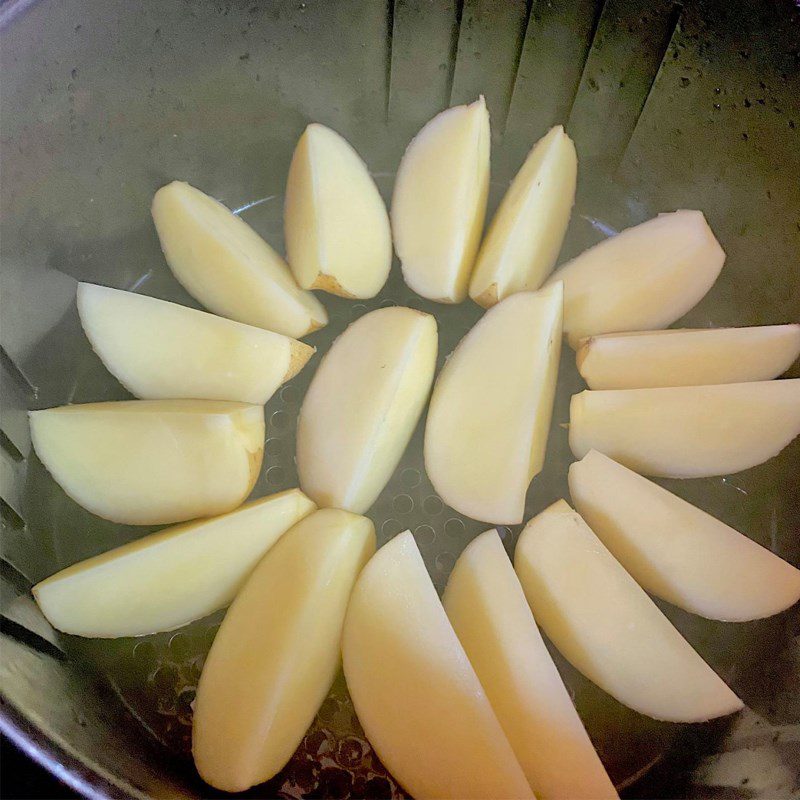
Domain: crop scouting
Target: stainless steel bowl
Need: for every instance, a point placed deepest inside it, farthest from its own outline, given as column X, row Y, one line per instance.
column 671, row 105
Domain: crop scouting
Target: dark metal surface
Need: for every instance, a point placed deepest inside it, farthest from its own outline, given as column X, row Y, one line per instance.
column 671, row 105
column 22, row 779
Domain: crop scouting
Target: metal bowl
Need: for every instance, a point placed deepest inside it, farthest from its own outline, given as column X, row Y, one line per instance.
column 694, row 105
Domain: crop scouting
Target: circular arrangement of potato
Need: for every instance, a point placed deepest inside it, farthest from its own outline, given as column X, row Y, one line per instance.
column 299, row 568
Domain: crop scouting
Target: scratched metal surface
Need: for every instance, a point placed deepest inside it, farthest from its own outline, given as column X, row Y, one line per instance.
column 103, row 101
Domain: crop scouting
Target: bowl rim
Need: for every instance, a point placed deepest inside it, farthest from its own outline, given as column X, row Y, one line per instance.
column 61, row 761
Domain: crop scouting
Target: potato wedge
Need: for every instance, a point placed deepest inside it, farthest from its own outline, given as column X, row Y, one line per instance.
column 650, row 359
column 687, row 431
column 412, row 685
column 525, row 236
column 277, row 651
column 487, row 608
column 676, row 551
column 439, row 202
column 171, row 577
column 363, row 405
column 608, row 628
column 222, row 262
column 151, row 462
column 643, row 278
column 338, row 237
column 489, row 417
column 160, row 350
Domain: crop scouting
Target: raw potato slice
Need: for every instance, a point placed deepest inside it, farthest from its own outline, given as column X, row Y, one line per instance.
column 414, row 690
column 277, row 651
column 608, row 628
column 363, row 405
column 650, row 359
column 527, row 231
column 439, row 202
column 222, row 262
column 160, row 350
column 337, row 230
column 491, row 617
column 676, row 551
column 151, row 462
column 169, row 578
column 490, row 411
column 643, row 278
column 687, row 431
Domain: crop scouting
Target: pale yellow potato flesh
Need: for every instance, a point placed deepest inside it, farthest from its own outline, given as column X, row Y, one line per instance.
column 169, row 578
column 222, row 262
column 160, row 350
column 526, row 234
column 277, row 651
column 487, row 608
column 150, row 462
column 644, row 278
column 649, row 359
column 676, row 551
column 687, row 431
column 417, row 697
column 363, row 405
column 439, row 202
column 602, row 621
column 337, row 230
column 489, row 416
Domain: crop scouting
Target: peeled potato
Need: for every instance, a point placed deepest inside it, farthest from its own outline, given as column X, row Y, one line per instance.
column 687, row 431
column 149, row 462
column 608, row 628
column 489, row 417
column 643, row 278
column 363, row 405
column 676, row 551
column 222, row 262
column 277, row 651
column 489, row 613
column 439, row 202
column 160, row 350
column 525, row 236
column 337, row 230
column 415, row 693
column 649, row 359
column 169, row 578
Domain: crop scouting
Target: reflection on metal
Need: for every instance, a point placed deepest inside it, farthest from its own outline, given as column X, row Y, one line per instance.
column 757, row 759
column 254, row 203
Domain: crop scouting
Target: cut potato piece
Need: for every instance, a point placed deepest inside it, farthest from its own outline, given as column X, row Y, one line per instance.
column 169, row 578
column 439, row 202
column 363, row 405
column 222, row 262
column 277, row 652
column 414, row 690
column 608, row 628
column 491, row 617
column 643, row 278
column 160, row 350
column 150, row 462
column 525, row 237
column 676, row 551
column 490, row 411
column 649, row 359
column 337, row 230
column 687, row 431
